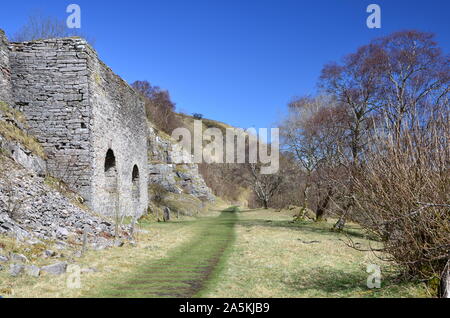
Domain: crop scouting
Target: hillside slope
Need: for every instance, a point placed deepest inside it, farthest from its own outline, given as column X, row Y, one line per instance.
column 224, row 179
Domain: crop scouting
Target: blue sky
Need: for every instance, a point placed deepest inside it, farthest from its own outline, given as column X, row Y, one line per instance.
column 239, row 62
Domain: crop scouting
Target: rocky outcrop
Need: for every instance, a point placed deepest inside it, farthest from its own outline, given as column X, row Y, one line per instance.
column 173, row 177
column 23, row 156
column 31, row 208
column 12, row 130
column 191, row 182
column 164, row 175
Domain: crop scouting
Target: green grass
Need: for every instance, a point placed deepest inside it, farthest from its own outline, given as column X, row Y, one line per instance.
column 14, row 133
column 113, row 264
column 257, row 253
column 228, row 253
column 11, row 113
column 186, row 271
column 274, row 257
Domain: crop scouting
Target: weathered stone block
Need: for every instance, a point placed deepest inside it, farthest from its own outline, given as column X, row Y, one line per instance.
column 55, row 269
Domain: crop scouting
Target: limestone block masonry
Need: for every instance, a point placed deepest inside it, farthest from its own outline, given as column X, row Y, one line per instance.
column 5, row 72
column 91, row 123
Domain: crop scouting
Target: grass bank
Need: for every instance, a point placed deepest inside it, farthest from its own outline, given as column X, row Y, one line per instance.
column 154, row 243
column 186, row 271
column 273, row 257
column 233, row 254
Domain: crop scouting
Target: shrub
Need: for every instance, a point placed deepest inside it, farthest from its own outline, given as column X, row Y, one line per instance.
column 157, row 193
column 159, row 107
column 402, row 197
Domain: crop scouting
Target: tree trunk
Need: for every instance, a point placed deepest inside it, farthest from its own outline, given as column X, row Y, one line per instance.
column 305, row 195
column 444, row 290
column 320, row 213
column 166, row 216
column 339, row 226
column 321, row 208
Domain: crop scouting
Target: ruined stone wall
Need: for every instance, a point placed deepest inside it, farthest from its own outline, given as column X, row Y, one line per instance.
column 5, row 71
column 119, row 139
column 50, row 83
column 90, row 122
column 93, row 126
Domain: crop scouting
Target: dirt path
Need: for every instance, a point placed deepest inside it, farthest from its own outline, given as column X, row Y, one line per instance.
column 187, row 270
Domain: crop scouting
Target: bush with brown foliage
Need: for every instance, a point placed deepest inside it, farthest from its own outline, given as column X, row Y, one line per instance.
column 41, row 27
column 390, row 147
column 224, row 181
column 159, row 107
column 402, row 196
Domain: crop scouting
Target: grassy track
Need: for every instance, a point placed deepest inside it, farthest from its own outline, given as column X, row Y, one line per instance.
column 187, row 270
column 274, row 257
column 253, row 253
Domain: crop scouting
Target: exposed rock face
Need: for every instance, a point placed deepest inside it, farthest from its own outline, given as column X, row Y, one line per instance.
column 31, row 208
column 164, row 175
column 55, row 269
column 16, row 269
column 175, row 178
column 191, row 181
column 23, row 156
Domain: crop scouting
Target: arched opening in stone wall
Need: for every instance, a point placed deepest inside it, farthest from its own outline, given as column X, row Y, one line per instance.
column 112, row 195
column 135, row 187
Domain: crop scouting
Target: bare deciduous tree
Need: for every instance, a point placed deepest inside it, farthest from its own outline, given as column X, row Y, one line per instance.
column 393, row 150
column 41, row 27
column 402, row 196
column 312, row 132
column 264, row 185
column 413, row 72
column 159, row 107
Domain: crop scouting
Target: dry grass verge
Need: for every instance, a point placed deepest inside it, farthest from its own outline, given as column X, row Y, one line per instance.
column 13, row 133
column 273, row 257
column 110, row 263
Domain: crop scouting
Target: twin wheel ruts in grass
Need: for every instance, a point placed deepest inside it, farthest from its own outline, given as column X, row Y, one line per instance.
column 187, row 270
